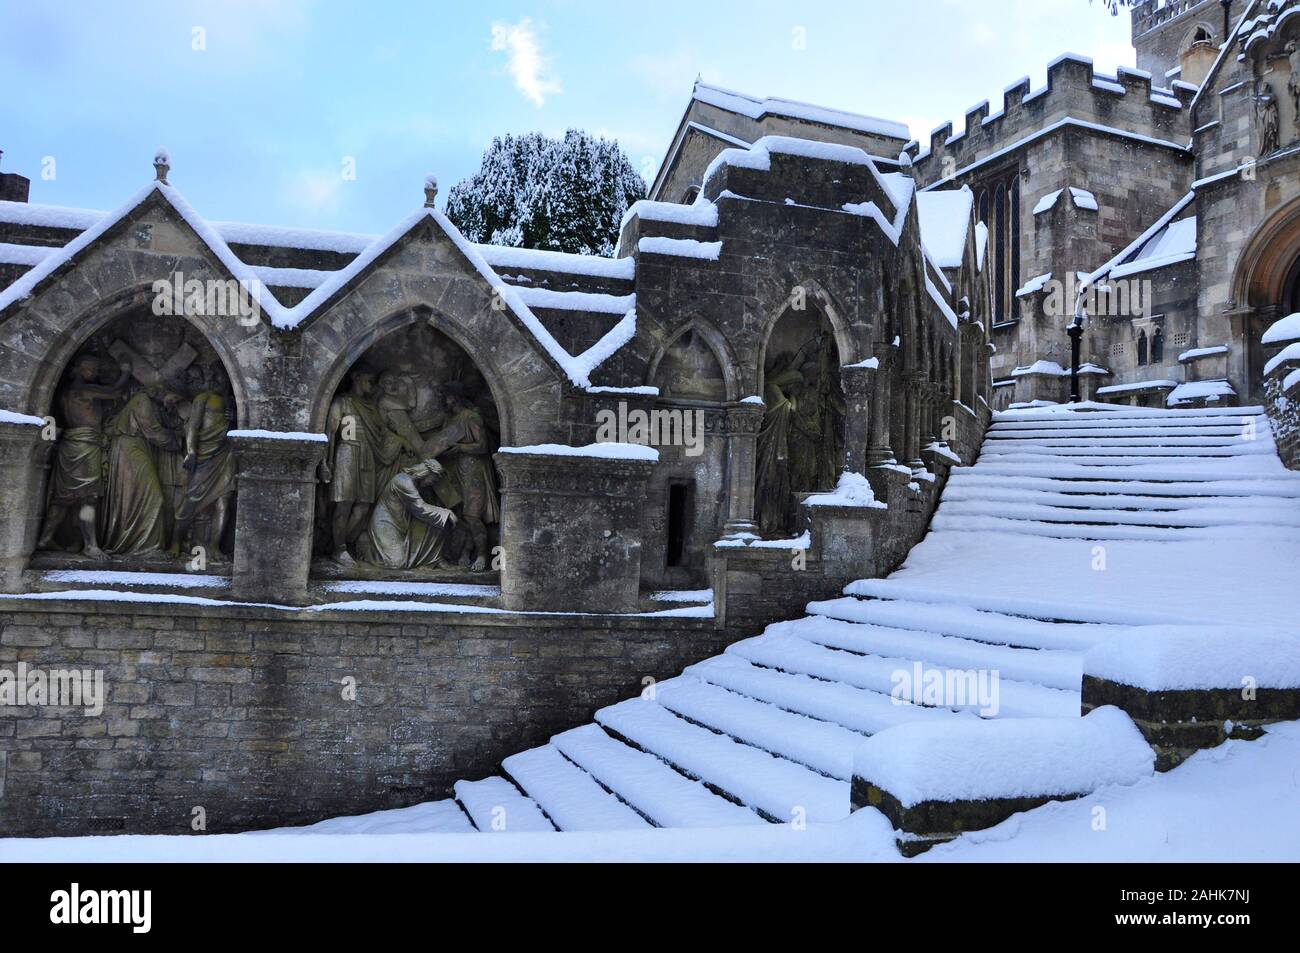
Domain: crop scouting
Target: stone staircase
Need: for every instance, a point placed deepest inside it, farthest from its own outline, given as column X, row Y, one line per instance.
column 765, row 733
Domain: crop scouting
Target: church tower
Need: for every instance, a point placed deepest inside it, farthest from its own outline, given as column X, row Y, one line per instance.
column 1180, row 39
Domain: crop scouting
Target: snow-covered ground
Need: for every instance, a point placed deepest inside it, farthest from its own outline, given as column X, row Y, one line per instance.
column 1238, row 802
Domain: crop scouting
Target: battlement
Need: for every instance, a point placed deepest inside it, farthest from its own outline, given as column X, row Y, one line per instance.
column 1126, row 104
column 1150, row 14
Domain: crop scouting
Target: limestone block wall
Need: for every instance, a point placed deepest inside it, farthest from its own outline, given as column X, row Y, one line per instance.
column 247, row 713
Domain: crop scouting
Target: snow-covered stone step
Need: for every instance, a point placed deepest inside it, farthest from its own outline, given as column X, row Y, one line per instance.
column 568, row 794
column 1091, row 450
column 1016, row 606
column 1185, row 517
column 781, row 789
column 1240, row 468
column 1101, row 532
column 497, row 806
column 1135, row 444
column 979, row 625
column 839, row 629
column 968, row 480
column 664, row 796
column 856, row 709
column 1180, row 433
column 789, row 653
column 820, row 745
column 1110, row 427
column 963, row 492
column 1128, row 413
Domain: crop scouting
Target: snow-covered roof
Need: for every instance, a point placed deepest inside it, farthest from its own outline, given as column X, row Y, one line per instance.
column 1283, row 330
column 1167, row 242
column 1199, row 390
column 1082, row 199
column 324, row 285
column 1136, row 386
column 945, row 218
column 1197, row 353
column 756, row 108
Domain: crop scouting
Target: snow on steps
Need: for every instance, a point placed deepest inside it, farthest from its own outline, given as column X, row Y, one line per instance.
column 573, row 799
column 495, row 806
column 767, row 731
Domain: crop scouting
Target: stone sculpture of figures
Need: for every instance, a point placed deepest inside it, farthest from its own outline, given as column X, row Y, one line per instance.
column 800, row 444
column 359, row 446
column 1293, row 81
column 134, row 499
column 1269, row 121
column 773, row 503
column 209, row 467
column 78, row 476
column 463, row 443
column 406, row 531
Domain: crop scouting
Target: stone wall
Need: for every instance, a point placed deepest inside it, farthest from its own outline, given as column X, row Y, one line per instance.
column 241, row 710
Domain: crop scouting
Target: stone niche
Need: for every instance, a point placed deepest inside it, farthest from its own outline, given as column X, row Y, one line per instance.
column 142, row 469
column 413, row 397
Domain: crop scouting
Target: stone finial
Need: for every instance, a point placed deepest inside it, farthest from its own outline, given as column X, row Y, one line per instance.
column 162, row 164
column 905, row 162
column 430, row 190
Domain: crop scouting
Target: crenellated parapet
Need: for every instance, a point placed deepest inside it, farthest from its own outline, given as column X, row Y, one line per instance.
column 1127, row 105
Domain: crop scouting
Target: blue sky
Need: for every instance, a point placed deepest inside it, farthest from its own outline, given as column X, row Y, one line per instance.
column 262, row 104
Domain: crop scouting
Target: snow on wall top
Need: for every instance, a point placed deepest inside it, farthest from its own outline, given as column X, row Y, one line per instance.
column 1005, row 758
column 755, row 108
column 1169, row 658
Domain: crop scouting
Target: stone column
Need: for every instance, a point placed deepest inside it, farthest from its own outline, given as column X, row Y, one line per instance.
column 858, row 382
column 23, row 451
column 880, row 452
column 744, row 421
column 276, row 512
column 912, row 421
column 571, row 531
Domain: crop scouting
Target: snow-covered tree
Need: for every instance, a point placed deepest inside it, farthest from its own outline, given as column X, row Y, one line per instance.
column 532, row 191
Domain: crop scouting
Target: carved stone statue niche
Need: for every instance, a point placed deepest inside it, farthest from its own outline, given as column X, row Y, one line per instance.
column 415, row 418
column 143, row 462
column 801, row 444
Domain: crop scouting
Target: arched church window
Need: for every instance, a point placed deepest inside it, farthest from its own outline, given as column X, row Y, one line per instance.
column 1157, row 346
column 1013, row 240
column 1142, row 348
column 1201, row 35
column 1000, row 250
column 691, row 194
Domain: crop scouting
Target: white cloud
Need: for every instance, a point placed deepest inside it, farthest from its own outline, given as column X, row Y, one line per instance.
column 529, row 67
column 317, row 190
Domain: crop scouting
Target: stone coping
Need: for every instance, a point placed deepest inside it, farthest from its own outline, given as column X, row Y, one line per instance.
column 469, row 615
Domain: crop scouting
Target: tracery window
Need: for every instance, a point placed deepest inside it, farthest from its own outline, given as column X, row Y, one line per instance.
column 998, row 202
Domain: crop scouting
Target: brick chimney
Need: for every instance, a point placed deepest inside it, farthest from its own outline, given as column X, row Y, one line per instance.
column 13, row 187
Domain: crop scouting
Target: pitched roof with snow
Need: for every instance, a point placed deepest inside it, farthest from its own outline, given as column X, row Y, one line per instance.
column 756, row 108
column 945, row 223
column 323, row 285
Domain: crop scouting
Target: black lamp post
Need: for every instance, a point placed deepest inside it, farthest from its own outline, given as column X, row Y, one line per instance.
column 1075, row 330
